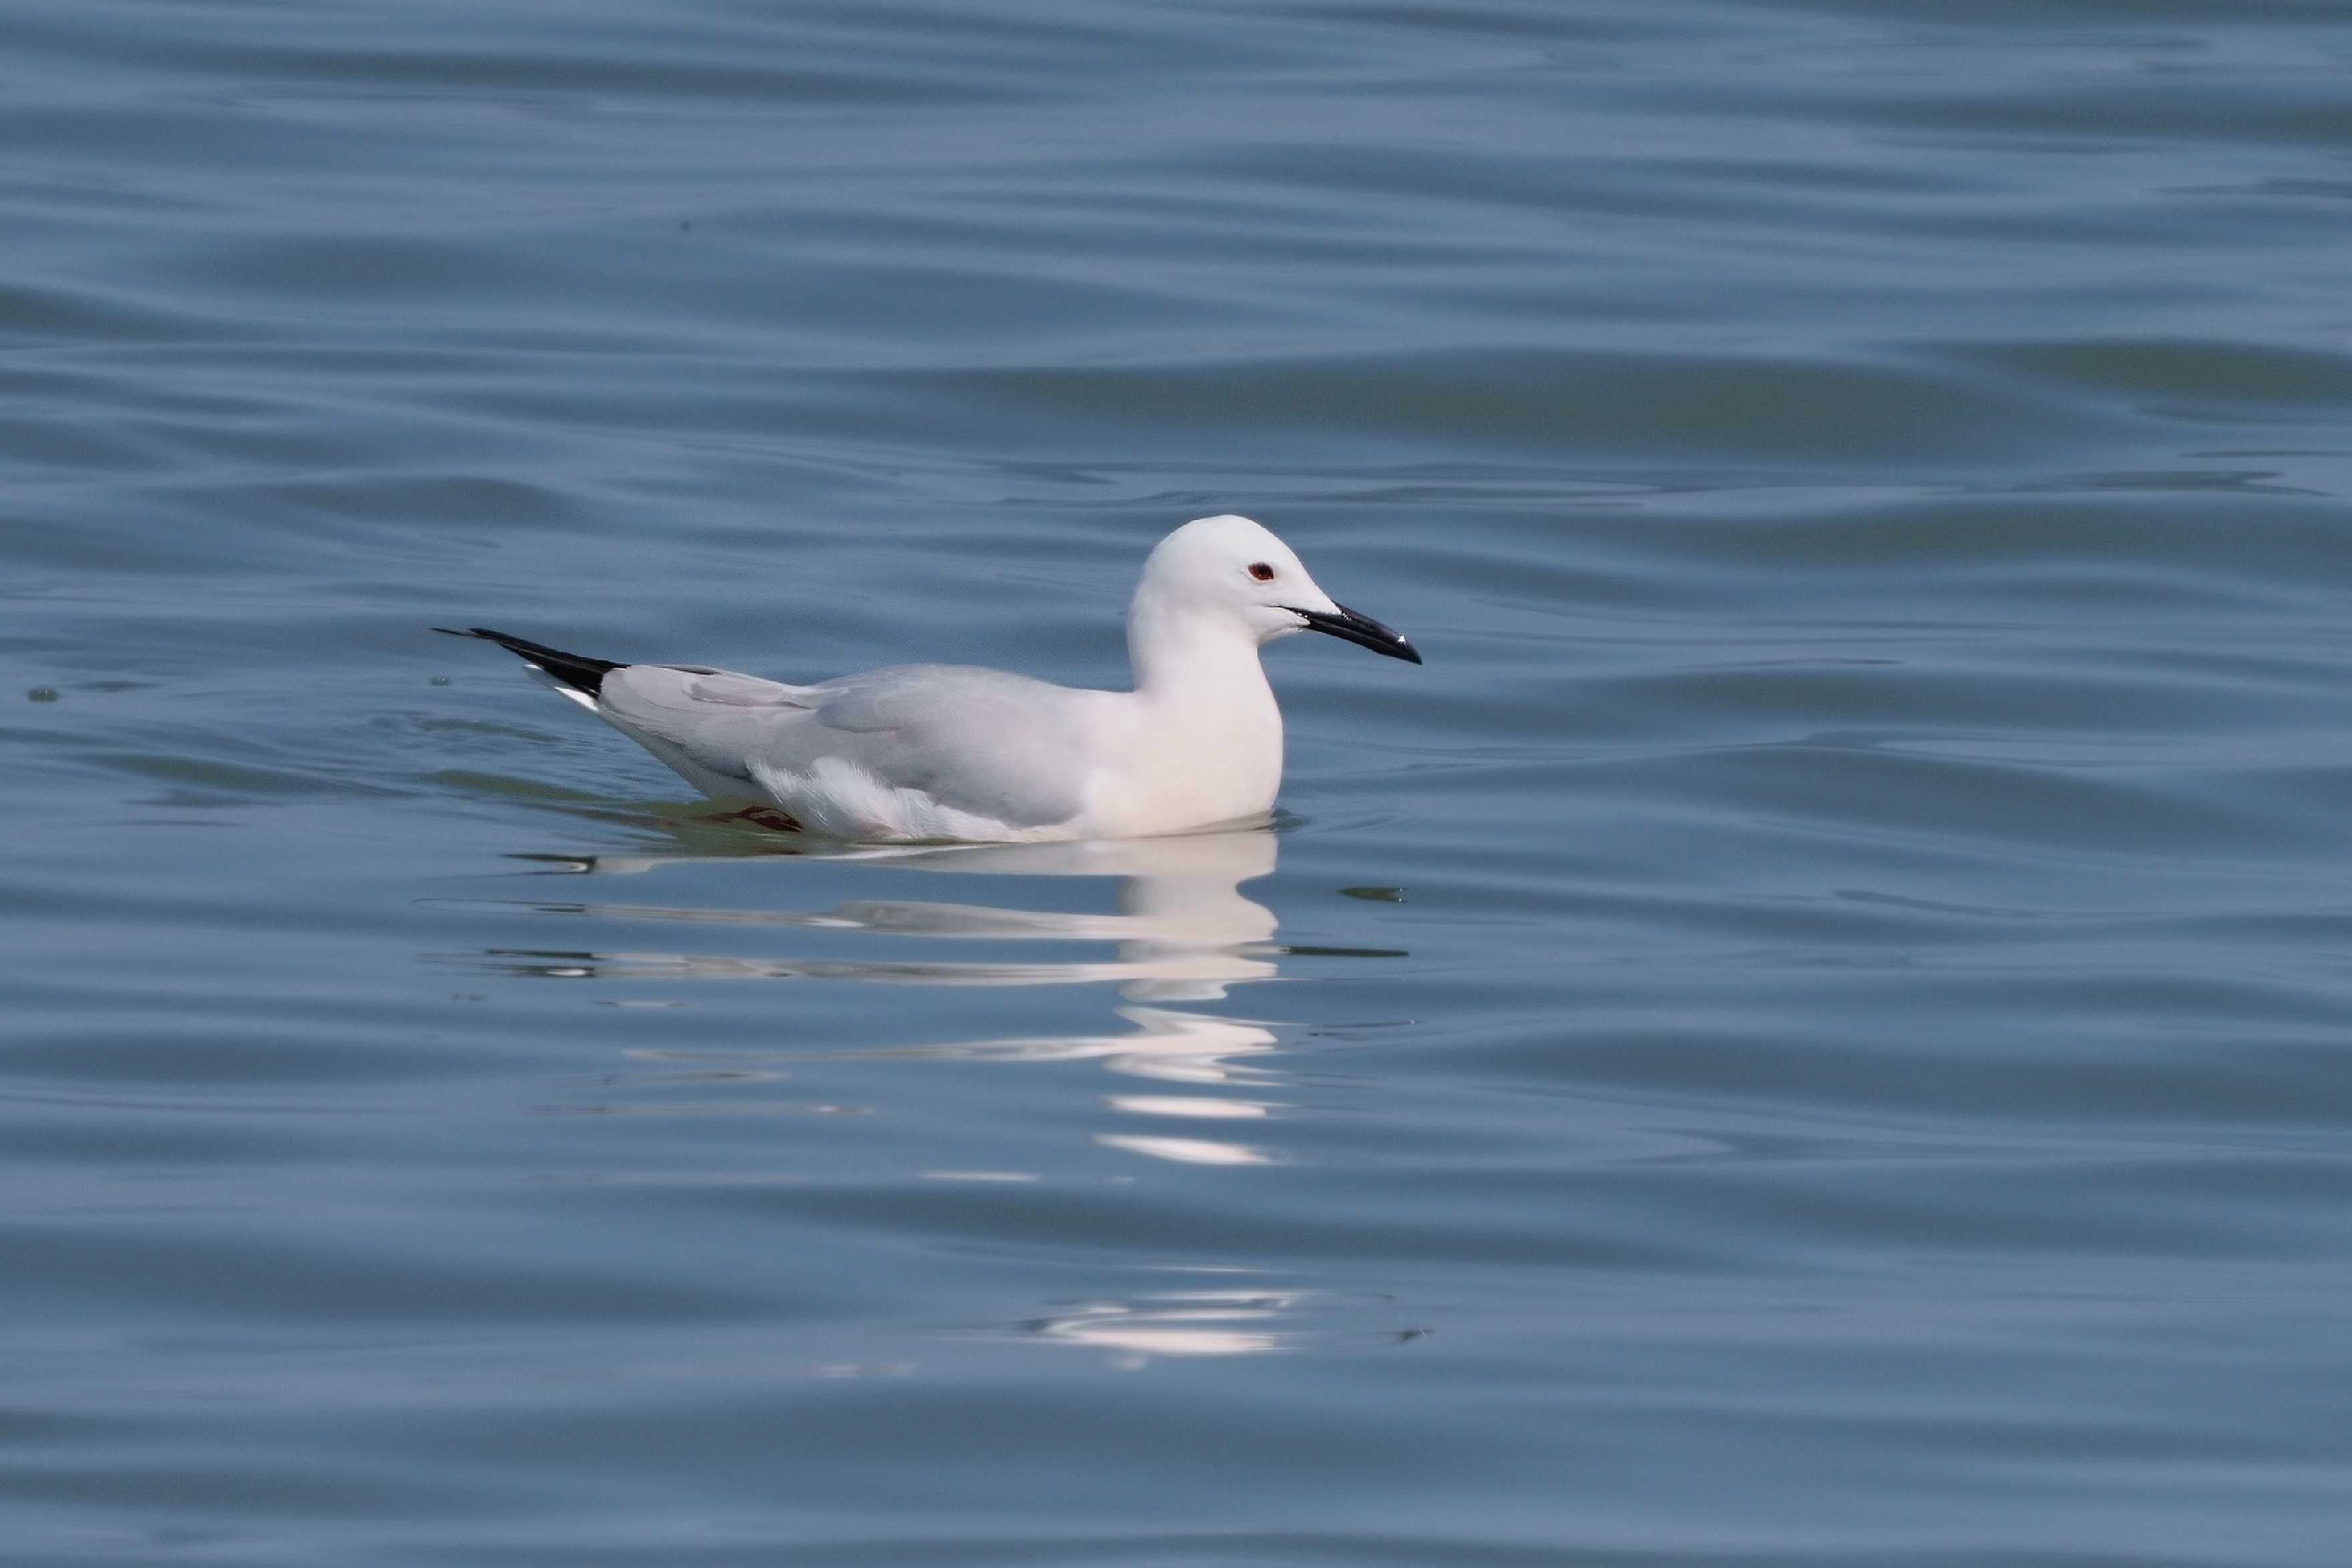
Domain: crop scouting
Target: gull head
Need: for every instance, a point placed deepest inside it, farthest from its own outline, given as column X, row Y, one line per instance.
column 1229, row 572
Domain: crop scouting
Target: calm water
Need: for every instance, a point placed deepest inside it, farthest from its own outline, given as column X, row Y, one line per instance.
column 1813, row 1032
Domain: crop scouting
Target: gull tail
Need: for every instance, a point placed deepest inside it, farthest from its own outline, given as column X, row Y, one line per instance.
column 578, row 671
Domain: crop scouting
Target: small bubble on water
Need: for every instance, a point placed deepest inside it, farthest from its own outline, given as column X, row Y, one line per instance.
column 440, row 680
column 42, row 694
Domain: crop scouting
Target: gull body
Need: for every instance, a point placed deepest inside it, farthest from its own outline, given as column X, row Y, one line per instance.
column 947, row 751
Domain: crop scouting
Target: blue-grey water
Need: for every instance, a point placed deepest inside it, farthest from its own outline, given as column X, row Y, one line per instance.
column 1817, row 1030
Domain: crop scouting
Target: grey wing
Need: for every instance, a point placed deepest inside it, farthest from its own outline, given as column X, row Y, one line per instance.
column 713, row 720
column 979, row 740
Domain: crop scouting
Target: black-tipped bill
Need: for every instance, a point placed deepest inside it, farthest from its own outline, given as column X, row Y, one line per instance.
column 1362, row 630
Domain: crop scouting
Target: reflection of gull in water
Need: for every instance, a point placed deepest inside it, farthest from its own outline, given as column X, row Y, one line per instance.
column 1167, row 1044
column 1185, row 932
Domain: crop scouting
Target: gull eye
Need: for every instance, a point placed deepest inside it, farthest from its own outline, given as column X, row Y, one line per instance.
column 1261, row 571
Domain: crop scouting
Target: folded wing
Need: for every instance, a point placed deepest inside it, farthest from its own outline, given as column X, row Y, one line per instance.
column 980, row 743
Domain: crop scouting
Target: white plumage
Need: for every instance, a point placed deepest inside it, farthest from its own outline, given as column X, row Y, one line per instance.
column 945, row 751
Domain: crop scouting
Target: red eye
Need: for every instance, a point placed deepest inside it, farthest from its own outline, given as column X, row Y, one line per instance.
column 1261, row 571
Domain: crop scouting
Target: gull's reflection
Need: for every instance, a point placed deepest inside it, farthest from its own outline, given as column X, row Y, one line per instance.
column 1191, row 1087
column 1185, row 932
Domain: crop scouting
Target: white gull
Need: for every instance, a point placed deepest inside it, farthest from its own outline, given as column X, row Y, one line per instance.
column 930, row 751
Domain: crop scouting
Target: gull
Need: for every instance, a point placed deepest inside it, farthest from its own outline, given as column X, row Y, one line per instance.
column 931, row 753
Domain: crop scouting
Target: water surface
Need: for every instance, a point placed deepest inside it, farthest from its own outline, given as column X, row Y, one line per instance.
column 1814, row 1031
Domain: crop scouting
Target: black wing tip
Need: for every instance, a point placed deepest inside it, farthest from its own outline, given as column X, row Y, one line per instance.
column 577, row 670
